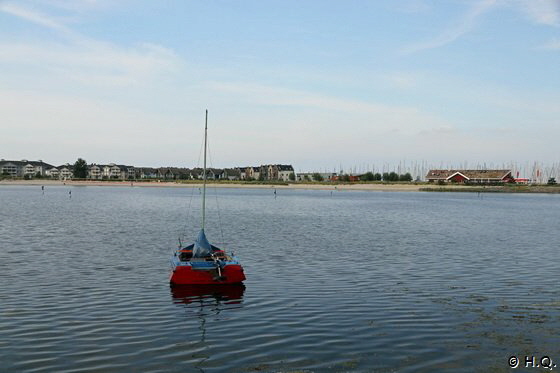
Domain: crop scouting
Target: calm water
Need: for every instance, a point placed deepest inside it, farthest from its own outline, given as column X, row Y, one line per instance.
column 348, row 281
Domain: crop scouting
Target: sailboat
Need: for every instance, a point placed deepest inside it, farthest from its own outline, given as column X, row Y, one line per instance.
column 202, row 263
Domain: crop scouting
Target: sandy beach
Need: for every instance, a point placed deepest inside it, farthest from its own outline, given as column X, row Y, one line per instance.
column 167, row 184
column 380, row 187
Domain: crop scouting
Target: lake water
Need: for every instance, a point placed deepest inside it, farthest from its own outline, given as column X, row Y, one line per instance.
column 336, row 282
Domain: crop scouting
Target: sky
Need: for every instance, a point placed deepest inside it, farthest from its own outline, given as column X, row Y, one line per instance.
column 321, row 85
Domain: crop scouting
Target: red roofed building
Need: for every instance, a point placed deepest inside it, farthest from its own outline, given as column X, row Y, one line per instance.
column 470, row 176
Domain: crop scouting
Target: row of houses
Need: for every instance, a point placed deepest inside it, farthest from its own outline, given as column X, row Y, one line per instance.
column 280, row 172
column 30, row 169
column 24, row 168
column 177, row 173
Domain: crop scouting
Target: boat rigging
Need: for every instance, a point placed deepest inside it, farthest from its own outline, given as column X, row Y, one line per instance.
column 202, row 263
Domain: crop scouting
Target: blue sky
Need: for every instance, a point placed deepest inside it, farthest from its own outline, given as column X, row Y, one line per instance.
column 317, row 84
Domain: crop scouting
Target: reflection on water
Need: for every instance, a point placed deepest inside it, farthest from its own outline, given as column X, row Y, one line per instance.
column 205, row 302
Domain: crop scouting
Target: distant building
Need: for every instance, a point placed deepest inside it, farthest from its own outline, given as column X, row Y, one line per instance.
column 113, row 171
column 242, row 172
column 470, row 176
column 231, row 174
column 24, row 168
column 305, row 176
column 336, row 177
column 167, row 173
column 308, row 176
column 52, row 173
column 283, row 172
column 95, row 172
column 65, row 171
column 253, row 173
column 110, row 171
column 146, row 173
column 271, row 172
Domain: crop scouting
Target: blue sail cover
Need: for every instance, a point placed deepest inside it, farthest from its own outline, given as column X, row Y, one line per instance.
column 201, row 247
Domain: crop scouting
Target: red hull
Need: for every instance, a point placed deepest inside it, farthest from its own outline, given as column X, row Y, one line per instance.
column 185, row 275
column 232, row 293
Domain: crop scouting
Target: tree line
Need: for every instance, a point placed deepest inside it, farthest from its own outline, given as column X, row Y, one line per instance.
column 370, row 176
column 386, row 176
column 80, row 171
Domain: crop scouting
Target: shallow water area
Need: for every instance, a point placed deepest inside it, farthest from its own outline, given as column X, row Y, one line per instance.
column 336, row 281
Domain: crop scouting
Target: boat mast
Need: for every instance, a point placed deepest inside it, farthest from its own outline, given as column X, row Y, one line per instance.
column 204, row 171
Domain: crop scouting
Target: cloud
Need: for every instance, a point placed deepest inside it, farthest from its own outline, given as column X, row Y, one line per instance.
column 403, row 80
column 551, row 45
column 545, row 12
column 370, row 116
column 35, row 17
column 68, row 126
column 462, row 27
column 92, row 63
column 79, row 58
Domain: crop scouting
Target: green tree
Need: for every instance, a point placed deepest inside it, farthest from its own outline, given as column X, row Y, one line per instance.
column 368, row 176
column 317, row 177
column 406, row 177
column 345, row 177
column 80, row 169
column 552, row 181
column 377, row 177
column 391, row 176
column 292, row 176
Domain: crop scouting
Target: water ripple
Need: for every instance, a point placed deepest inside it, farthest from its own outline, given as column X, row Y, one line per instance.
column 350, row 282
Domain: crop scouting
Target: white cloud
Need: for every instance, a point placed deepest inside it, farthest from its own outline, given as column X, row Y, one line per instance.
column 541, row 11
column 451, row 34
column 35, row 17
column 61, row 128
column 91, row 61
column 38, row 96
column 545, row 12
column 375, row 117
column 106, row 102
column 79, row 58
column 551, row 45
column 403, row 80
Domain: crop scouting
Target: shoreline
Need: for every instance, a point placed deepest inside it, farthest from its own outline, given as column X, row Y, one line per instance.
column 381, row 187
column 172, row 184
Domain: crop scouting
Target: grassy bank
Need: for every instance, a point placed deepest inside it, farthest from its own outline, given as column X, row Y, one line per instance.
column 553, row 189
